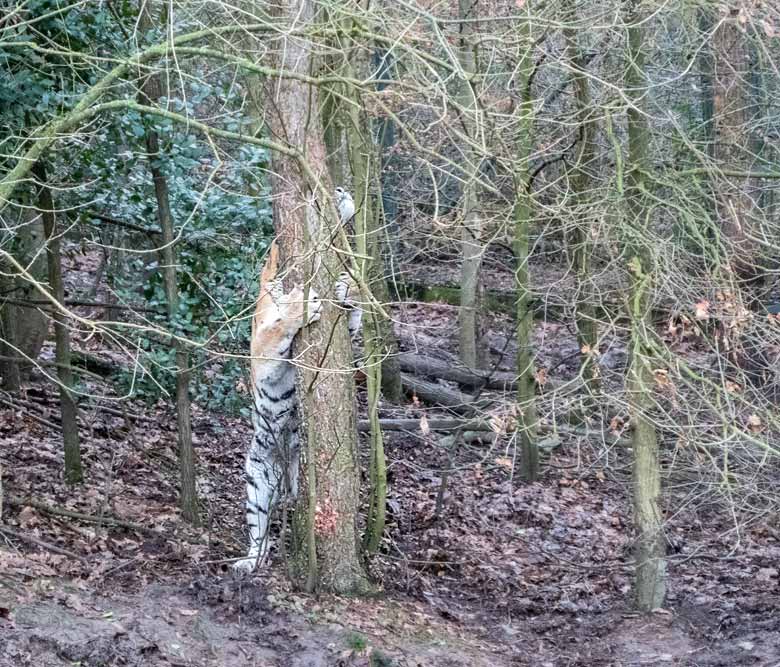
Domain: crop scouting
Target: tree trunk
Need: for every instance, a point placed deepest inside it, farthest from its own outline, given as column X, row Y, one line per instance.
column 385, row 240
column 526, row 392
column 334, row 134
column 469, row 334
column 325, row 547
column 9, row 366
column 26, row 328
column 733, row 111
column 350, row 147
column 579, row 242
column 70, row 428
column 650, row 544
column 386, row 138
column 378, row 338
column 188, row 499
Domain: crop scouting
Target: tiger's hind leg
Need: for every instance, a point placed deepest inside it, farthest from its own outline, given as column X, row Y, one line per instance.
column 264, row 483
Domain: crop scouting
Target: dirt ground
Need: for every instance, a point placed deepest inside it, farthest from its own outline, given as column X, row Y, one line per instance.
column 477, row 569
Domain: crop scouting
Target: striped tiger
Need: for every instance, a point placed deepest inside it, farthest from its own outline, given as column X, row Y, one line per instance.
column 272, row 459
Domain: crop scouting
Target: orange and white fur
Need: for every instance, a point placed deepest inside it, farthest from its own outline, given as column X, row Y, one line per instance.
column 272, row 460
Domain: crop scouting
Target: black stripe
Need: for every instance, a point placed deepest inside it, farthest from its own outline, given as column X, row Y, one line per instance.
column 254, row 506
column 284, row 396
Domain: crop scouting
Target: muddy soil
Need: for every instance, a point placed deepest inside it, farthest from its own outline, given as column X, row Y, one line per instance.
column 476, row 568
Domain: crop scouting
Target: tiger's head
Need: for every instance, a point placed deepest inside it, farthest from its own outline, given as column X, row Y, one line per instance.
column 279, row 316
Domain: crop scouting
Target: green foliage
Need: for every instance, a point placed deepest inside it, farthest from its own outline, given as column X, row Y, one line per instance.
column 224, row 233
column 356, row 641
column 218, row 200
column 380, row 659
column 36, row 86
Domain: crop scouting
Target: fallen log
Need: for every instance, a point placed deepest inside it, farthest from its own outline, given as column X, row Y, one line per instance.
column 105, row 521
column 468, row 377
column 435, row 394
column 48, row 546
column 93, row 363
column 494, row 300
column 364, row 425
column 473, row 426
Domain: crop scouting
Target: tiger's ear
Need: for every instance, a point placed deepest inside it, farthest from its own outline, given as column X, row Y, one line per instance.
column 271, row 265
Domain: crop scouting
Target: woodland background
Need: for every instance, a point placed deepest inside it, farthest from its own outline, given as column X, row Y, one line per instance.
column 556, row 441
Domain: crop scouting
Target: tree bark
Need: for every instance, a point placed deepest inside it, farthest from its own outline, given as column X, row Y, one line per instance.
column 472, row 353
column 349, row 143
column 9, row 366
column 733, row 111
column 579, row 242
column 26, row 329
column 325, row 547
column 386, row 138
column 68, row 410
column 467, row 377
column 436, row 394
column 526, row 392
column 378, row 341
column 650, row 585
column 188, row 499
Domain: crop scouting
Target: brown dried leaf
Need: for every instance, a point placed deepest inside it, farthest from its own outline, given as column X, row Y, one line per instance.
column 754, row 423
column 504, row 462
column 703, row 310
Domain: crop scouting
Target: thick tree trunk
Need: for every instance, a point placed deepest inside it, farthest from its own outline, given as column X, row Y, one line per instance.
column 70, row 428
column 526, row 392
column 650, row 544
column 325, row 551
column 188, row 499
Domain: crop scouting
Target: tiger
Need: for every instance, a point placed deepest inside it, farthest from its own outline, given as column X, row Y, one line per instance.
column 272, row 460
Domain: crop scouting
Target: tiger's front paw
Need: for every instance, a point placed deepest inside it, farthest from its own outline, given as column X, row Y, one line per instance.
column 315, row 307
column 245, row 566
column 342, row 288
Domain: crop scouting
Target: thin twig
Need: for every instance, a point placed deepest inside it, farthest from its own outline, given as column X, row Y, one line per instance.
column 5, row 530
column 89, row 518
column 29, row 414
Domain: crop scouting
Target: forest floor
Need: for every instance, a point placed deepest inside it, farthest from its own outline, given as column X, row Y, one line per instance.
column 477, row 568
